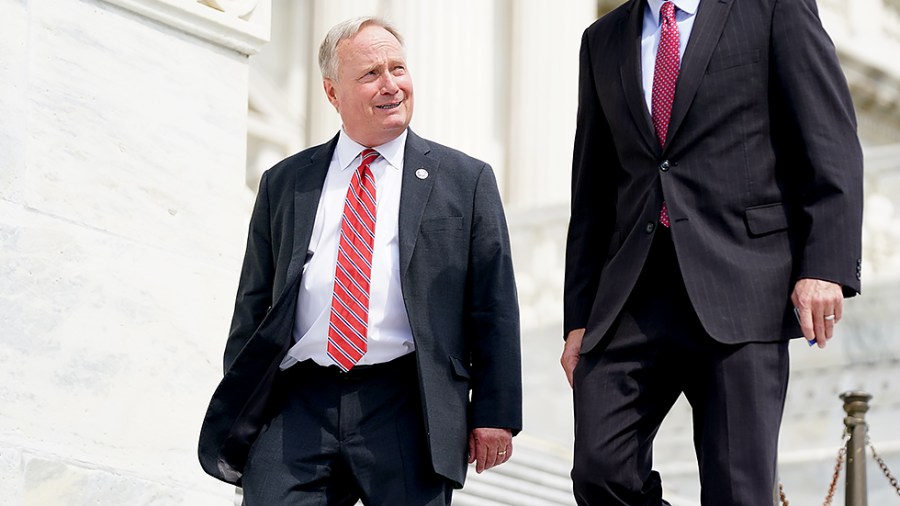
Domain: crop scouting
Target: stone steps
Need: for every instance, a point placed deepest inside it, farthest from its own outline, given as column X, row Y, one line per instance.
column 536, row 475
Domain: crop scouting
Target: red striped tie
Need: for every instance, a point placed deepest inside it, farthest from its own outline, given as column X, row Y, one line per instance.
column 348, row 325
column 665, row 75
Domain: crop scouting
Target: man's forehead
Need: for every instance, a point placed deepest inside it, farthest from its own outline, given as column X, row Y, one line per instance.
column 371, row 48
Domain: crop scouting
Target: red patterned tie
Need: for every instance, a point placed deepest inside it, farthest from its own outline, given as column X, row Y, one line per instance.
column 348, row 325
column 665, row 75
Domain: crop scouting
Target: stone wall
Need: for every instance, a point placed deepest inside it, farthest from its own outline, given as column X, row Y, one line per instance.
column 122, row 219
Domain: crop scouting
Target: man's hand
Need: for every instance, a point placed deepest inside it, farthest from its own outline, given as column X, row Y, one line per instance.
column 571, row 352
column 489, row 447
column 819, row 305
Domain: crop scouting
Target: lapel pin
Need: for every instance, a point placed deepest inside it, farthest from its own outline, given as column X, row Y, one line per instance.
column 421, row 173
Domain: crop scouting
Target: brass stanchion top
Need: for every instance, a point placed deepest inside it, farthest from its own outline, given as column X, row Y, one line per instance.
column 856, row 403
column 852, row 395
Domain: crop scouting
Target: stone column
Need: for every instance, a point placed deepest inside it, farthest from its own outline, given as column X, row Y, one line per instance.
column 280, row 79
column 123, row 213
column 543, row 94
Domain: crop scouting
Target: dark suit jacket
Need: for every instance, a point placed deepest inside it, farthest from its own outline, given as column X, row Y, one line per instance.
column 457, row 282
column 761, row 171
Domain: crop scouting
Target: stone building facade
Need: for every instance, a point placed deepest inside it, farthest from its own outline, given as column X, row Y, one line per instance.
column 134, row 134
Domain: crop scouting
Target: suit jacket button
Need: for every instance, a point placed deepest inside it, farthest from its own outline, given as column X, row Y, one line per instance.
column 650, row 227
column 664, row 166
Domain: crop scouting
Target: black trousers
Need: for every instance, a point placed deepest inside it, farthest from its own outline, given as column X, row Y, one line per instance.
column 655, row 351
column 336, row 438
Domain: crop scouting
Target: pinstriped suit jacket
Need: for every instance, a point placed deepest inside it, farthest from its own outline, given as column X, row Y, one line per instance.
column 761, row 172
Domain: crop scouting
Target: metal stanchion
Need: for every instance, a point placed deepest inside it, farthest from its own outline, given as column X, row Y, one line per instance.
column 853, row 451
column 856, row 404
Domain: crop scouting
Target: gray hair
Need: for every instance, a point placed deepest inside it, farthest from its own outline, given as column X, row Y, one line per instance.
column 328, row 62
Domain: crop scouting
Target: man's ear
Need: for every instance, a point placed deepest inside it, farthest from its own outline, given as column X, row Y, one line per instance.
column 331, row 92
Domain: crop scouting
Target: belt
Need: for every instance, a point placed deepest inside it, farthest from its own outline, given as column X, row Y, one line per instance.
column 399, row 366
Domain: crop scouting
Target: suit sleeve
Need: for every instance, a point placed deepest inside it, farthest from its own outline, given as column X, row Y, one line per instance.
column 808, row 76
column 492, row 314
column 254, row 294
column 594, row 168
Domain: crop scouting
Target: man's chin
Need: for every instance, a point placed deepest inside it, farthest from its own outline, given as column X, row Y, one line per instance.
column 395, row 124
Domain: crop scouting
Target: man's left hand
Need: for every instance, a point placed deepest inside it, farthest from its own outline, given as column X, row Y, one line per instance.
column 489, row 447
column 819, row 304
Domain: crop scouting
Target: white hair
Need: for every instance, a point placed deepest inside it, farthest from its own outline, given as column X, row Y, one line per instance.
column 328, row 61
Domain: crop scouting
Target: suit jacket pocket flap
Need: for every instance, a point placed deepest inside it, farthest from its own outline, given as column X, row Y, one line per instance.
column 766, row 219
column 459, row 368
column 451, row 223
column 728, row 61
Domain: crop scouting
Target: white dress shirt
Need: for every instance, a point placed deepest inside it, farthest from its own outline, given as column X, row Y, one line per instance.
column 389, row 334
column 685, row 13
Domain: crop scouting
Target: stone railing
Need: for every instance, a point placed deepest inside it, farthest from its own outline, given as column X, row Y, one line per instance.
column 538, row 239
column 891, row 19
column 881, row 239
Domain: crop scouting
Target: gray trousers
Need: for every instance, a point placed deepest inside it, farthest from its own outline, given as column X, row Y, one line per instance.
column 336, row 438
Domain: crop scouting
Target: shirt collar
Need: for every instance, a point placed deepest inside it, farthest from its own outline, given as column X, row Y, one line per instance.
column 348, row 150
column 687, row 6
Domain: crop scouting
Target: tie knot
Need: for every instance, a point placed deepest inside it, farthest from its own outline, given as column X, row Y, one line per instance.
column 368, row 156
column 667, row 11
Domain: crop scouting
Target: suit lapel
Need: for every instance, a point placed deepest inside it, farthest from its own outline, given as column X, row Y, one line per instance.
column 414, row 194
column 630, row 73
column 307, row 192
column 705, row 35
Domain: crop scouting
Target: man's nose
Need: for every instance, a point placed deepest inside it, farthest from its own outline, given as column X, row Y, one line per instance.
column 389, row 84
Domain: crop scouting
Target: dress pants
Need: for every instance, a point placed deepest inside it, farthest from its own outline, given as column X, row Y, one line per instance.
column 335, row 438
column 656, row 350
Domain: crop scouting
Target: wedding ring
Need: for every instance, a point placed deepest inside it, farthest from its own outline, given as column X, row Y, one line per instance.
column 829, row 317
column 502, row 453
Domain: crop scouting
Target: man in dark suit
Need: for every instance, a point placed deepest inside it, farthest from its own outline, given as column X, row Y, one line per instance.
column 717, row 186
column 375, row 338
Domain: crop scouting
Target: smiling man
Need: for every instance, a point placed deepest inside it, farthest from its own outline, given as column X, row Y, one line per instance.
column 374, row 347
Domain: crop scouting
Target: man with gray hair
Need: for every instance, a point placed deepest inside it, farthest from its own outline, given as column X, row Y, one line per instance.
column 374, row 347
